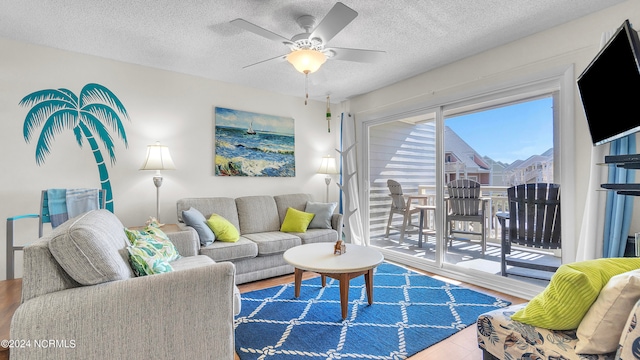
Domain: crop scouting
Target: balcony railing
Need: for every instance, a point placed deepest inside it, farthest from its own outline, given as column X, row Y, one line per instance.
column 498, row 202
column 380, row 203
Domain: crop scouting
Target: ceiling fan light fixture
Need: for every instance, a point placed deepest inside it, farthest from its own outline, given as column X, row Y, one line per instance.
column 306, row 61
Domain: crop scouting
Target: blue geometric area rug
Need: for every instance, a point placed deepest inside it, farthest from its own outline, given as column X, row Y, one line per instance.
column 410, row 312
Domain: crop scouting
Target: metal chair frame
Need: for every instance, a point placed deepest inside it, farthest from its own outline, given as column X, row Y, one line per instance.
column 43, row 218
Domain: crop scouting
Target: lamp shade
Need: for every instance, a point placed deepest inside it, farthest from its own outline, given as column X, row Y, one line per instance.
column 306, row 61
column 158, row 158
column 328, row 166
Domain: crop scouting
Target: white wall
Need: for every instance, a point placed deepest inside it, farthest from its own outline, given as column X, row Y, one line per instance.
column 574, row 43
column 175, row 109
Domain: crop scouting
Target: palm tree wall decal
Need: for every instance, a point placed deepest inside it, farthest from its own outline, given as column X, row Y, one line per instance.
column 90, row 116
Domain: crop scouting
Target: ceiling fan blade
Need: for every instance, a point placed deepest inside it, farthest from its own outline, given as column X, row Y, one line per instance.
column 338, row 17
column 244, row 24
column 279, row 57
column 358, row 55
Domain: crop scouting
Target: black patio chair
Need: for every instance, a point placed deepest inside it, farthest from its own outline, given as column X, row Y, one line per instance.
column 464, row 204
column 533, row 221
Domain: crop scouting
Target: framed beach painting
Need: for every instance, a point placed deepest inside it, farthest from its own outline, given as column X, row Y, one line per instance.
column 252, row 144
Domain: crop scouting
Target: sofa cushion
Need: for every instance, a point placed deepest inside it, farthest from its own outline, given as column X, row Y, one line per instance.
column 275, row 242
column 42, row 274
column 571, row 291
column 225, row 251
column 296, row 221
column 91, row 248
column 602, row 326
column 223, row 229
column 190, row 262
column 318, row 235
column 196, row 220
column 504, row 338
column 323, row 213
column 223, row 206
column 257, row 214
column 296, row 201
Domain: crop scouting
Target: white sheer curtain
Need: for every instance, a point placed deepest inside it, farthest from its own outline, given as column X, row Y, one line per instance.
column 353, row 230
column 592, row 231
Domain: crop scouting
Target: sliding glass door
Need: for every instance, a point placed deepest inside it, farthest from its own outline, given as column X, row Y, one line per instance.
column 499, row 142
column 504, row 144
column 402, row 154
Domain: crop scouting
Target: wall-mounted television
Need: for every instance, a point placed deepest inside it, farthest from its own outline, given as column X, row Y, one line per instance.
column 610, row 88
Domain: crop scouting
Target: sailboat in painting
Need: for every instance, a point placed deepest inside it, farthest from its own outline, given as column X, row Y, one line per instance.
column 250, row 130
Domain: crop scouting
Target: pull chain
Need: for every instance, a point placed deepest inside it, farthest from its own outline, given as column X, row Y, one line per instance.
column 328, row 115
column 306, row 86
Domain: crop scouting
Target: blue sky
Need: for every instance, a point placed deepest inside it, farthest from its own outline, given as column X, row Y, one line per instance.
column 261, row 122
column 508, row 133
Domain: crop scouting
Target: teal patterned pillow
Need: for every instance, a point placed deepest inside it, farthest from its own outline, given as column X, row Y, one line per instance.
column 150, row 251
column 167, row 251
column 146, row 260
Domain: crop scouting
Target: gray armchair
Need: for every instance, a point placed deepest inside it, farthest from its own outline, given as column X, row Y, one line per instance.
column 80, row 295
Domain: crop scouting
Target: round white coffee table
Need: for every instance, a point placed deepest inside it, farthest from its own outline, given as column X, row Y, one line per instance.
column 320, row 258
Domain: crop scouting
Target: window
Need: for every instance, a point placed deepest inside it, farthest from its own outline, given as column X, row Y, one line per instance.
column 405, row 146
column 503, row 145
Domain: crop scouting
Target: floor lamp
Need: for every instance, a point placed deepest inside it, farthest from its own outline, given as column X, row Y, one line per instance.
column 158, row 158
column 328, row 167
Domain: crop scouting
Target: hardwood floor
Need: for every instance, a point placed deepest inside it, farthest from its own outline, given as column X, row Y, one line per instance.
column 10, row 292
column 461, row 346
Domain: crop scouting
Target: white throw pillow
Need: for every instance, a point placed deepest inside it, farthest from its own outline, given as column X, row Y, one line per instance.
column 600, row 330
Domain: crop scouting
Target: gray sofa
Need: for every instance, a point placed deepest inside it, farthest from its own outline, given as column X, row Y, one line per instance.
column 80, row 299
column 258, row 253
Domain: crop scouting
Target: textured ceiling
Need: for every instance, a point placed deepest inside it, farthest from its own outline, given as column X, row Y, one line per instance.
column 195, row 36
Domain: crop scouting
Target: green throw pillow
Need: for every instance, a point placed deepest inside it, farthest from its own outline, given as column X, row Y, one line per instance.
column 296, row 221
column 571, row 291
column 160, row 240
column 223, row 229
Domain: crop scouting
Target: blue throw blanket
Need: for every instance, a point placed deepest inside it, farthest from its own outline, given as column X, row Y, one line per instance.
column 68, row 203
column 57, row 202
column 79, row 201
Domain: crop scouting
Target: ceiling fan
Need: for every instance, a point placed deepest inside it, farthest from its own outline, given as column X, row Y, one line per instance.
column 308, row 50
